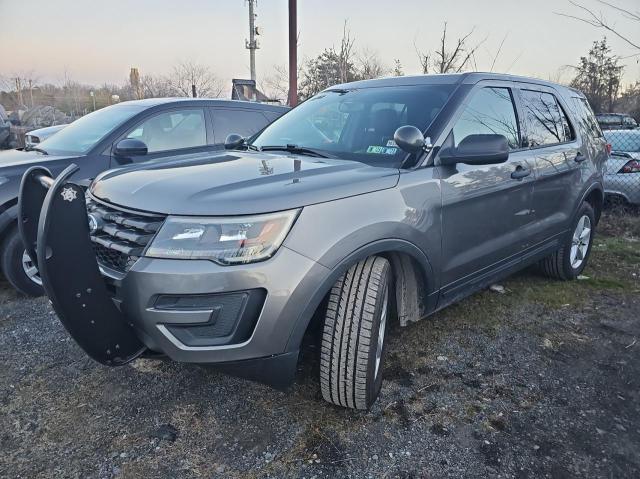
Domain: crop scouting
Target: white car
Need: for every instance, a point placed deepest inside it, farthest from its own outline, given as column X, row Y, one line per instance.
column 622, row 176
column 34, row 137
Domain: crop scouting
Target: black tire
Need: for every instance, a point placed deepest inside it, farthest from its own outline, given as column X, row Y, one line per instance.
column 11, row 261
column 558, row 265
column 348, row 375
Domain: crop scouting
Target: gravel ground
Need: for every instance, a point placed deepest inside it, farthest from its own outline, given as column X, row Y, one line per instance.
column 539, row 381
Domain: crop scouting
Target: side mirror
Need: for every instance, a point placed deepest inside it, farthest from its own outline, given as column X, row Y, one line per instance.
column 409, row 138
column 130, row 147
column 233, row 141
column 477, row 150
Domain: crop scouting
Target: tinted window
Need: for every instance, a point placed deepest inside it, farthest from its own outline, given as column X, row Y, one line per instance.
column 81, row 135
column 172, row 130
column 490, row 111
column 273, row 115
column 546, row 123
column 587, row 118
column 358, row 124
column 242, row 122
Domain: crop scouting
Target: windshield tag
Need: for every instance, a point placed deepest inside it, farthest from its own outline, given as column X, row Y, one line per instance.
column 382, row 150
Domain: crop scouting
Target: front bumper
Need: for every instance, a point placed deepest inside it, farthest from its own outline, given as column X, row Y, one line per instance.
column 288, row 280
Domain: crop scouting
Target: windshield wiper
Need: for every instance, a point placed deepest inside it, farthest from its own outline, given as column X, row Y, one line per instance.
column 299, row 150
column 39, row 150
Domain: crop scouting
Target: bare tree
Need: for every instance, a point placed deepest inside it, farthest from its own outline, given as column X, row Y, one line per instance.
column 447, row 59
column 156, row 86
column 369, row 65
column 346, row 55
column 276, row 85
column 189, row 73
column 599, row 20
column 330, row 67
column 397, row 69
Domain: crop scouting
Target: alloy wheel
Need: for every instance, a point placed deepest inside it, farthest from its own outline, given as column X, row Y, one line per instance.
column 30, row 269
column 580, row 242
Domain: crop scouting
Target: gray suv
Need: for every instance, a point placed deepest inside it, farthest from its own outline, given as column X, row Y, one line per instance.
column 374, row 201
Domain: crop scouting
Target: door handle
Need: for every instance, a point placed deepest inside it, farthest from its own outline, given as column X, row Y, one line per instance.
column 520, row 173
column 579, row 158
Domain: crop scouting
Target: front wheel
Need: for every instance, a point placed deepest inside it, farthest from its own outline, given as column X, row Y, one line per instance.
column 571, row 259
column 18, row 267
column 355, row 323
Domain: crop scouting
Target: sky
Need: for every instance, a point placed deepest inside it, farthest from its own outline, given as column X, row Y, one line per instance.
column 97, row 42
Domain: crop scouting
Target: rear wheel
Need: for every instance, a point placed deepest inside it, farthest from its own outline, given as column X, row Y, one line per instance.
column 18, row 267
column 355, row 323
column 571, row 259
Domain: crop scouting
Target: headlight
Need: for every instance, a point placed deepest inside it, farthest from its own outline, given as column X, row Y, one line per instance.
column 236, row 240
column 3, row 180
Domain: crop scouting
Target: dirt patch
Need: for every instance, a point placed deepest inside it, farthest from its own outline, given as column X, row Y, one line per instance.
column 541, row 381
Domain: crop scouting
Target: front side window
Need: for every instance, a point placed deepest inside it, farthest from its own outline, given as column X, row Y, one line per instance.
column 172, row 130
column 546, row 122
column 241, row 122
column 84, row 133
column 358, row 124
column 490, row 111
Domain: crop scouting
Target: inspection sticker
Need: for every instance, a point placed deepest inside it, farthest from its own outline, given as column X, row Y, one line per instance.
column 382, row 150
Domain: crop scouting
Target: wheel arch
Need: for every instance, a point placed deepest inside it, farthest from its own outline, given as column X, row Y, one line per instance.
column 8, row 217
column 413, row 276
column 8, row 221
column 594, row 195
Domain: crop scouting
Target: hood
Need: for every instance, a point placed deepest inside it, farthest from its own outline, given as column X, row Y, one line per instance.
column 239, row 183
column 13, row 164
column 11, row 158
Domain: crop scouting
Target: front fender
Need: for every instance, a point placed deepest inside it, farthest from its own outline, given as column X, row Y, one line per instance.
column 388, row 247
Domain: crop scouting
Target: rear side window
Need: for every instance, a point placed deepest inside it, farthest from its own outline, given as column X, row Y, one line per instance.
column 490, row 111
column 587, row 118
column 242, row 122
column 546, row 123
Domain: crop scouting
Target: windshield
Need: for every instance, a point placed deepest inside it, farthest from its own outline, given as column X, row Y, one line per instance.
column 81, row 135
column 624, row 141
column 357, row 124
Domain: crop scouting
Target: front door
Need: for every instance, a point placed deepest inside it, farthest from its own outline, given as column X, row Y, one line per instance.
column 485, row 208
column 172, row 132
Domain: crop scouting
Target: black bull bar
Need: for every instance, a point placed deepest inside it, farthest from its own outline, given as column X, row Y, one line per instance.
column 53, row 224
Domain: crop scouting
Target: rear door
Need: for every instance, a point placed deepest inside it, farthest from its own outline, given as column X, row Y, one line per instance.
column 171, row 132
column 558, row 155
column 485, row 208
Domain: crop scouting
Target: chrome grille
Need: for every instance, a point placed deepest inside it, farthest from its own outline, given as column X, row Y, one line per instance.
column 119, row 237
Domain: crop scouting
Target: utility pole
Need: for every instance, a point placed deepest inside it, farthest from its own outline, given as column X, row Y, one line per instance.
column 252, row 43
column 293, row 53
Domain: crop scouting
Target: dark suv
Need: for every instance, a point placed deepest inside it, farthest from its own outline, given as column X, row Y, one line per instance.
column 373, row 201
column 616, row 121
column 118, row 136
